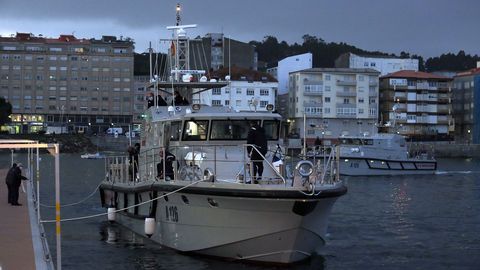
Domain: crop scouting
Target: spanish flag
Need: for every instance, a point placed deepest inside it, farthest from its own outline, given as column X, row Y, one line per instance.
column 172, row 48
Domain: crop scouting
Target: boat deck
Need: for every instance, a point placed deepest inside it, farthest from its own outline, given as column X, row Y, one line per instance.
column 20, row 247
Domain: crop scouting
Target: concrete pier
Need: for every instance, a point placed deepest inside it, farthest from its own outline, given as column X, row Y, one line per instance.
column 21, row 244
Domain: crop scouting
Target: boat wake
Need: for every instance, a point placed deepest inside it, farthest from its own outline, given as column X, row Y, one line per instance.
column 457, row 172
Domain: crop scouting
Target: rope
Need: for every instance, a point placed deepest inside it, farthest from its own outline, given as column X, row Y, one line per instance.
column 71, row 204
column 123, row 209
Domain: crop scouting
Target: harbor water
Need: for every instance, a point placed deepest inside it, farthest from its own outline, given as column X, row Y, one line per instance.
column 395, row 222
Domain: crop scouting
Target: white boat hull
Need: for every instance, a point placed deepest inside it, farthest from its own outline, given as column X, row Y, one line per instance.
column 239, row 228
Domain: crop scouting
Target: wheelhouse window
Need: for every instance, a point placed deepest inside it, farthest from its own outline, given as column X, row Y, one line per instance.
column 195, row 130
column 229, row 130
column 175, row 131
column 272, row 129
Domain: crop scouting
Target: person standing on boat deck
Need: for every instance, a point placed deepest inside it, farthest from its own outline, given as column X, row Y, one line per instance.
column 169, row 159
column 256, row 136
column 178, row 100
column 317, row 143
column 133, row 160
column 160, row 100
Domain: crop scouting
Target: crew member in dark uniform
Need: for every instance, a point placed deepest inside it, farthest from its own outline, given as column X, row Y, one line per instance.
column 169, row 174
column 150, row 100
column 179, row 100
column 14, row 180
column 256, row 136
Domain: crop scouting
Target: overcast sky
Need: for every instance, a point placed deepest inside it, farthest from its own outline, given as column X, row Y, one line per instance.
column 424, row 27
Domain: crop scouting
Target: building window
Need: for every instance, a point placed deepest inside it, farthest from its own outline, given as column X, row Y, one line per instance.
column 264, row 92
column 216, row 102
column 361, row 100
column 327, row 99
column 263, row 103
column 327, row 77
column 239, row 91
column 346, row 101
column 250, row 92
column 216, row 91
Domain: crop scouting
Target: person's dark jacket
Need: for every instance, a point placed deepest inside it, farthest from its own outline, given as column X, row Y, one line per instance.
column 256, row 136
column 18, row 177
column 170, row 158
column 11, row 176
column 180, row 101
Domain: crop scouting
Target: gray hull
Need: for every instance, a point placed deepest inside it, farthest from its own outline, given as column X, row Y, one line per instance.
column 237, row 228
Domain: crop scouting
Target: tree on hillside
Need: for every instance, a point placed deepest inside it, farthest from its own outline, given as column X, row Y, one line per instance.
column 270, row 50
column 5, row 111
column 452, row 62
column 142, row 63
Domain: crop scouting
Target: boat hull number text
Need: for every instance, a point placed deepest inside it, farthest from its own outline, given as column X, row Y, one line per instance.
column 171, row 213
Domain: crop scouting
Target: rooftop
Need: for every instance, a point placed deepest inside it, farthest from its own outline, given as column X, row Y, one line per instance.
column 70, row 39
column 403, row 74
column 471, row 72
column 243, row 74
column 339, row 70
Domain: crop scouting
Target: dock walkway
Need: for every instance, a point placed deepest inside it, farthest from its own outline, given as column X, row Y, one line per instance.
column 20, row 242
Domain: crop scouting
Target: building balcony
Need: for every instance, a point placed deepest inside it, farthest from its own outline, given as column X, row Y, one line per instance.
column 349, row 105
column 312, row 104
column 313, row 92
column 346, row 82
column 372, row 93
column 444, row 98
column 346, row 94
column 314, row 114
column 373, row 83
column 444, row 109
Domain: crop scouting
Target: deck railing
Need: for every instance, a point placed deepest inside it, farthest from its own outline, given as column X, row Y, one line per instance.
column 228, row 163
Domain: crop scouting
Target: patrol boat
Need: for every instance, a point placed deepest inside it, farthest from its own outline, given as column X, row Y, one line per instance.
column 211, row 205
column 380, row 154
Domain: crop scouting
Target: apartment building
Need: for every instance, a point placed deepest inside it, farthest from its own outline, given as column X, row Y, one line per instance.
column 417, row 105
column 140, row 98
column 281, row 71
column 214, row 51
column 466, row 105
column 77, row 84
column 334, row 101
column 248, row 90
column 384, row 64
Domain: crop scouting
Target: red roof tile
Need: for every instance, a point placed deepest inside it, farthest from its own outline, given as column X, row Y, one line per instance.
column 473, row 71
column 414, row 75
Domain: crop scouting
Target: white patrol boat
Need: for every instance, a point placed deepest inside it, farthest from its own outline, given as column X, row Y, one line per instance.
column 210, row 204
column 380, row 154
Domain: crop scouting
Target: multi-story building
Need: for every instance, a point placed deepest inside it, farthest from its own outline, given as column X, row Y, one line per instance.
column 334, row 102
column 68, row 82
column 139, row 99
column 417, row 105
column 383, row 64
column 248, row 90
column 466, row 105
column 281, row 71
column 214, row 51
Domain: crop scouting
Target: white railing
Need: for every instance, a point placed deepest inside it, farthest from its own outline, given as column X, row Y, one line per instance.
column 229, row 163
